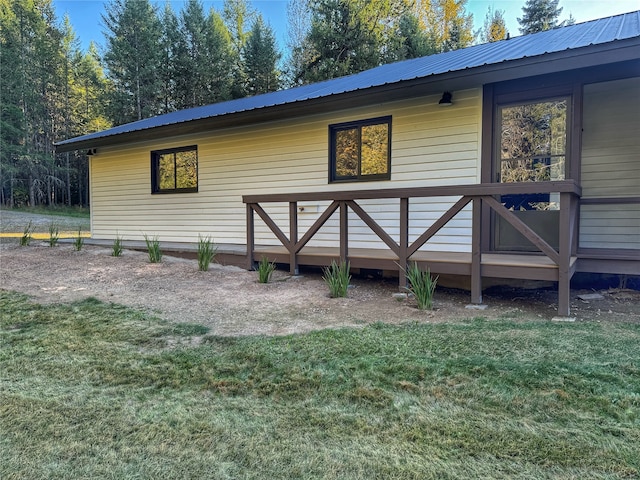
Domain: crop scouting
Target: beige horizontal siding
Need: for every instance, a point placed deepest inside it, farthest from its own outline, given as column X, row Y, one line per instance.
column 430, row 146
column 611, row 164
column 610, row 226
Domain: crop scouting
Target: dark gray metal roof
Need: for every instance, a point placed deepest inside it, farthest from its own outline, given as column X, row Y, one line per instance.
column 566, row 39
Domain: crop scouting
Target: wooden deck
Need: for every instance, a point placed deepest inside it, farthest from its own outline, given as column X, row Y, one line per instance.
column 555, row 264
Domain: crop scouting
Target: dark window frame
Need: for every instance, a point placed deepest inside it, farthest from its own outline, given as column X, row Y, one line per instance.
column 155, row 168
column 337, row 127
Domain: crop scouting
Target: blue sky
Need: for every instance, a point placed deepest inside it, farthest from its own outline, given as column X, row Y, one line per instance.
column 86, row 18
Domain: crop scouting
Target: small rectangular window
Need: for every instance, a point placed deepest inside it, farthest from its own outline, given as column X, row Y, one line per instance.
column 174, row 170
column 360, row 151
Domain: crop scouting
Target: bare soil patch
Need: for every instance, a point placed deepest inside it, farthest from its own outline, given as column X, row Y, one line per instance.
column 230, row 301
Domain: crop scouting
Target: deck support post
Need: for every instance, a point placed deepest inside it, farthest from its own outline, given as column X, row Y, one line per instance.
column 476, row 251
column 293, row 238
column 404, row 243
column 565, row 249
column 344, row 232
column 250, row 236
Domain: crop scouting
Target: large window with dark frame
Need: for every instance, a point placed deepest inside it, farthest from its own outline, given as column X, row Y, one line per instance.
column 360, row 151
column 174, row 170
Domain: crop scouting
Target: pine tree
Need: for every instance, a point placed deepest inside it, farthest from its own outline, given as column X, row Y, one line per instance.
column 238, row 15
column 346, row 36
column 539, row 15
column 170, row 44
column 133, row 59
column 261, row 58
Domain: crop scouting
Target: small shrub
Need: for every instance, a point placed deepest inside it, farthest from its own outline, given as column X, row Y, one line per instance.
column 265, row 269
column 153, row 248
column 422, row 286
column 206, row 253
column 27, row 235
column 337, row 278
column 54, row 234
column 78, row 242
column 116, row 248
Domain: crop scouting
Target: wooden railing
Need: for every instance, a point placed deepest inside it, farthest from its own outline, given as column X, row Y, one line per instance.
column 481, row 196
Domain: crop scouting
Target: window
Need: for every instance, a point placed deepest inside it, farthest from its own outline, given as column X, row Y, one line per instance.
column 532, row 148
column 360, row 151
column 174, row 170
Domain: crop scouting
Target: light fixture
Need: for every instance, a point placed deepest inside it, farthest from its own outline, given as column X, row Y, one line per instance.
column 91, row 151
column 446, row 100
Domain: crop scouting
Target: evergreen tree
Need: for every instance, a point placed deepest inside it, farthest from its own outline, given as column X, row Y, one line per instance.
column 133, row 59
column 539, row 15
column 261, row 58
column 345, row 37
column 32, row 96
column 219, row 59
column 170, row 45
column 414, row 41
column 238, row 15
column 495, row 27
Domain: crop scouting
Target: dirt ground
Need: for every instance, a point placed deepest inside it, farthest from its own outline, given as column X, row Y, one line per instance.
column 230, row 301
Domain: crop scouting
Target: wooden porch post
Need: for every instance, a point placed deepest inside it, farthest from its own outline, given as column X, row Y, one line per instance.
column 344, row 232
column 404, row 243
column 476, row 251
column 250, row 236
column 293, row 238
column 565, row 250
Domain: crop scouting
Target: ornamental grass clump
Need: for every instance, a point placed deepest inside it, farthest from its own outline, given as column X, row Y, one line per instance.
column 265, row 269
column 78, row 242
column 153, row 248
column 27, row 235
column 116, row 248
column 422, row 286
column 54, row 234
column 206, row 253
column 337, row 278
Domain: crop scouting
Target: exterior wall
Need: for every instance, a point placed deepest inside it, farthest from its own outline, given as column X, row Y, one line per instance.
column 611, row 164
column 430, row 146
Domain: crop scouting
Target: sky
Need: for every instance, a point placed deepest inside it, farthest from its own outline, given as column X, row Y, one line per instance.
column 86, row 15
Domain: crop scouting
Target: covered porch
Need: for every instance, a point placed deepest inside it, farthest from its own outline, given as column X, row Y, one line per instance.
column 550, row 263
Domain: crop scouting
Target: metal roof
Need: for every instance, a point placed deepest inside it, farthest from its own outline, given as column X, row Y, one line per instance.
column 566, row 39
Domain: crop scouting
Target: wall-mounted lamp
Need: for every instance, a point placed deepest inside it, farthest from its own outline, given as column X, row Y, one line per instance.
column 91, row 151
column 446, row 100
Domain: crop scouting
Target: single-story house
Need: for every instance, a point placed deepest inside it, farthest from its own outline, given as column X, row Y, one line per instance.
column 515, row 159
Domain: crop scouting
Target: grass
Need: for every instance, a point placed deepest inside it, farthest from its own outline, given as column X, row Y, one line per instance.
column 153, row 249
column 54, row 234
column 95, row 390
column 27, row 235
column 206, row 253
column 337, row 278
column 58, row 210
column 265, row 270
column 422, row 285
column 116, row 247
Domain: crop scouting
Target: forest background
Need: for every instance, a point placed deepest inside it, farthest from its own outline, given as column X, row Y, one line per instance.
column 156, row 60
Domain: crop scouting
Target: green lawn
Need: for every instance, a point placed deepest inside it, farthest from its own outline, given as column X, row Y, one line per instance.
column 92, row 390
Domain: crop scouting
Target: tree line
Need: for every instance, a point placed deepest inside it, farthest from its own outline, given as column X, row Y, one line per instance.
column 156, row 60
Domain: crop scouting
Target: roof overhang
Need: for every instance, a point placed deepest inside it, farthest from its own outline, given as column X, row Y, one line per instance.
column 618, row 51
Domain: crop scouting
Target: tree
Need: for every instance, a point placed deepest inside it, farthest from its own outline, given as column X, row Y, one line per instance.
column 345, row 37
column 133, row 59
column 446, row 23
column 170, row 44
column 539, row 15
column 495, row 27
column 238, row 15
column 261, row 58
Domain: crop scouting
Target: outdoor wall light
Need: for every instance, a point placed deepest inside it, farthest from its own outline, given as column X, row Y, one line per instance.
column 91, row 151
column 446, row 100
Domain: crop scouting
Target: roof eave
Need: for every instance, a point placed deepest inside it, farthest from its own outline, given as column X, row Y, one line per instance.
column 593, row 55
